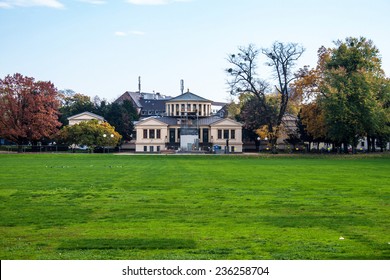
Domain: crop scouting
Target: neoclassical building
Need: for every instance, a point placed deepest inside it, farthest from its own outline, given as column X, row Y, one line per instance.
column 84, row 117
column 188, row 124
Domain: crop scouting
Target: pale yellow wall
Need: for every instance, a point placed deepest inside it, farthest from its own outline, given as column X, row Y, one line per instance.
column 236, row 142
column 213, row 135
column 155, row 142
column 180, row 108
column 82, row 118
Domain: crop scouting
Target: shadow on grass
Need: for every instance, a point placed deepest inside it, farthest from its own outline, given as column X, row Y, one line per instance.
column 133, row 243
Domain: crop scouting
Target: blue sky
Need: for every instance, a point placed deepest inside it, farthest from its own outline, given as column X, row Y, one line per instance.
column 98, row 47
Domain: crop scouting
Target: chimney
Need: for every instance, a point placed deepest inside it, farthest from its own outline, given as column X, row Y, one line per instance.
column 139, row 84
column 182, row 86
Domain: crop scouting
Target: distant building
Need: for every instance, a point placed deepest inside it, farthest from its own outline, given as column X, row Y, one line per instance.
column 154, row 104
column 84, row 117
column 146, row 104
column 187, row 123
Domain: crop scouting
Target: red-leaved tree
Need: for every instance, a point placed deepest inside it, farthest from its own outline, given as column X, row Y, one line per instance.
column 28, row 109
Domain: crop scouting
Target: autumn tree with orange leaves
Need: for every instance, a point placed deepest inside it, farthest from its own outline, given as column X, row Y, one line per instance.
column 28, row 109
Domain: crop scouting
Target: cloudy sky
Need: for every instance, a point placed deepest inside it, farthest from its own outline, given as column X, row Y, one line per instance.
column 99, row 47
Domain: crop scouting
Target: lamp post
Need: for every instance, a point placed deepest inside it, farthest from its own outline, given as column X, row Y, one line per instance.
column 112, row 138
column 104, row 142
column 259, row 140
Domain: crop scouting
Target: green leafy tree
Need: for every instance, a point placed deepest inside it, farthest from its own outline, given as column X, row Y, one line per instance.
column 121, row 116
column 90, row 133
column 74, row 103
column 350, row 91
column 352, row 103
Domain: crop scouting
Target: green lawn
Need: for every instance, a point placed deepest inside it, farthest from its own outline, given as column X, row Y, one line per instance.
column 75, row 206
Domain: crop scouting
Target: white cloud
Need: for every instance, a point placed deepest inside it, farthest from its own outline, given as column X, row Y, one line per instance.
column 136, row 32
column 120, row 33
column 31, row 3
column 154, row 2
column 94, row 2
column 4, row 5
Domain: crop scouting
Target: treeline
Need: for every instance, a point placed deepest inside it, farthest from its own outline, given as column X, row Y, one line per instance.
column 33, row 112
column 119, row 115
column 343, row 100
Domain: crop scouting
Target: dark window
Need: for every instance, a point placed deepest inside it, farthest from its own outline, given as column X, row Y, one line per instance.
column 232, row 134
column 232, row 149
column 145, row 133
column 172, row 135
column 219, row 133
column 151, row 133
column 151, row 149
column 205, row 135
column 158, row 148
column 158, row 132
column 226, row 134
column 145, row 148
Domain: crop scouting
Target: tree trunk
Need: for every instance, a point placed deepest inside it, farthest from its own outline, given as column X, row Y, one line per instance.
column 345, row 146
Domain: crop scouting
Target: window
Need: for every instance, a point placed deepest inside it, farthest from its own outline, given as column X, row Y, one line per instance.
column 232, row 134
column 158, row 132
column 145, row 148
column 151, row 133
column 219, row 133
column 145, row 133
column 232, row 149
column 158, row 148
column 151, row 149
column 226, row 134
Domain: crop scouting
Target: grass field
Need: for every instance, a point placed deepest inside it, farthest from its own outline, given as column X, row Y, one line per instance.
column 66, row 206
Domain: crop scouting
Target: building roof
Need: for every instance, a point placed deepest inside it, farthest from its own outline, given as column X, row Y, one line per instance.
column 189, row 96
column 168, row 120
column 157, row 106
column 208, row 120
column 175, row 120
column 86, row 113
column 137, row 97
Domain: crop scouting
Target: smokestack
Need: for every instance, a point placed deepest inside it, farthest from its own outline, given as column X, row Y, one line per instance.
column 182, row 86
column 139, row 84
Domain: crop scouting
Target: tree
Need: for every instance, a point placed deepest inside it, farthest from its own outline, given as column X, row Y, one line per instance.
column 312, row 119
column 121, row 116
column 353, row 80
column 350, row 90
column 73, row 104
column 28, row 109
column 91, row 134
column 244, row 79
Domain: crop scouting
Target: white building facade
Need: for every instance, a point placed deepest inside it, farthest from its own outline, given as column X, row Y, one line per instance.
column 188, row 126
